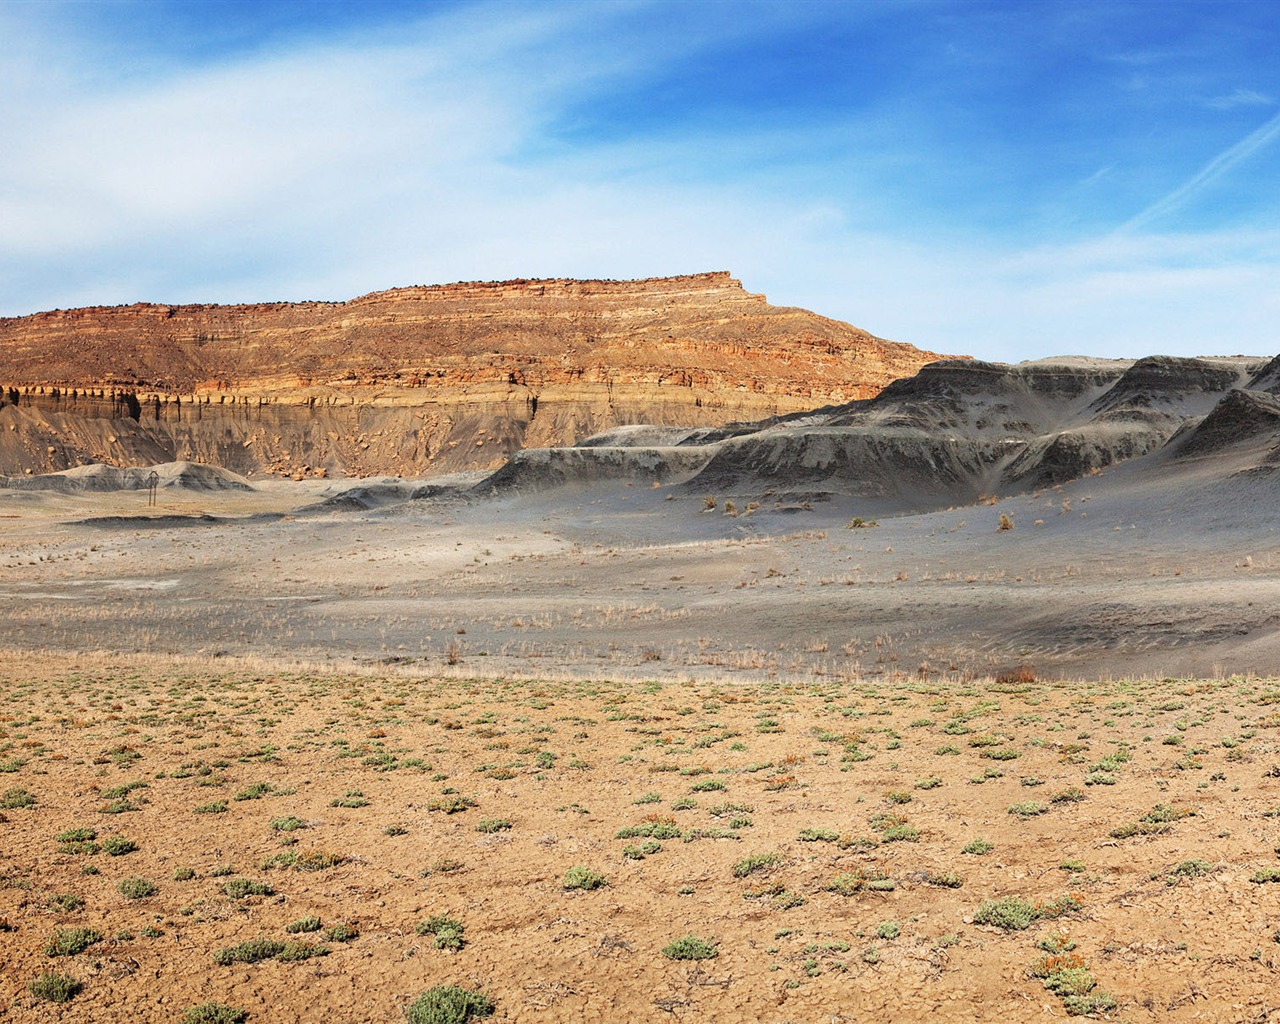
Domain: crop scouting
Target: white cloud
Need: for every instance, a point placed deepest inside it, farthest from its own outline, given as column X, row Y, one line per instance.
column 1239, row 98
column 331, row 171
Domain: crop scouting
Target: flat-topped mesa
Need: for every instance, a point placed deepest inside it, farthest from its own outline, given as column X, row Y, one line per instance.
column 418, row 379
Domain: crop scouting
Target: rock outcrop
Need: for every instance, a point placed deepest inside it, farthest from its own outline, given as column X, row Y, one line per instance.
column 962, row 429
column 416, row 380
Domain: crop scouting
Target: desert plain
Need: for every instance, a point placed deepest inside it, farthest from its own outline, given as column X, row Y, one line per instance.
column 625, row 749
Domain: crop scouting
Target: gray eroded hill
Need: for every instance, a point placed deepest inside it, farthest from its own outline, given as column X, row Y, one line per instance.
column 960, row 430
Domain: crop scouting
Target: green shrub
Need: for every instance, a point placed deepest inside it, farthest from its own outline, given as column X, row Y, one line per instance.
column 250, row 952
column 136, row 888
column 183, row 874
column 979, row 847
column 491, row 825
column 756, row 862
column 448, row 1004
column 888, row 930
column 1088, row 1006
column 213, row 1013
column 583, row 878
column 1012, row 913
column 11, row 800
column 294, row 951
column 450, row 804
column 239, row 888
column 55, row 988
column 289, row 824
column 447, row 931
column 118, row 846
column 303, row 924
column 1028, row 809
column 67, row 902
column 346, row 931
column 690, row 947
column 70, row 941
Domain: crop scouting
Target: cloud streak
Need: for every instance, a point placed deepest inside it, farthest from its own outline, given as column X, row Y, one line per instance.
column 1207, row 175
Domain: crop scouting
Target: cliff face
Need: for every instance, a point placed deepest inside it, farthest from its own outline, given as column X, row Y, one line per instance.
column 416, row 380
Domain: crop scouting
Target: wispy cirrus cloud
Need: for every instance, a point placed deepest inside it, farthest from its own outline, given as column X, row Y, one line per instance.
column 1216, row 168
column 1240, row 98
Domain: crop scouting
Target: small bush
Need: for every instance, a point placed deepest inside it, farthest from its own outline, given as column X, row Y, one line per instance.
column 888, row 930
column 70, row 941
column 183, row 874
column 303, row 924
column 346, row 931
column 583, row 878
column 289, row 824
column 690, row 947
column 979, row 847
column 67, row 902
column 239, row 888
column 1029, row 809
column 448, row 1004
column 214, row 1013
column 11, row 800
column 318, row 860
column 491, row 825
column 1012, row 913
column 136, row 888
column 118, row 846
column 295, row 951
column 54, row 988
column 251, row 952
column 451, row 804
column 756, row 862
column 447, row 931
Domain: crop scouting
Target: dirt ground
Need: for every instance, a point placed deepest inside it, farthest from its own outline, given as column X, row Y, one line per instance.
column 837, row 844
column 855, row 762
column 1128, row 573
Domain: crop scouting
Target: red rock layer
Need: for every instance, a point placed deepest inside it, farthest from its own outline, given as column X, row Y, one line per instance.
column 420, row 379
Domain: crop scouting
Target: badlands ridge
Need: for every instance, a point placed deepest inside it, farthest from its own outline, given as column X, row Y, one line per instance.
column 416, row 380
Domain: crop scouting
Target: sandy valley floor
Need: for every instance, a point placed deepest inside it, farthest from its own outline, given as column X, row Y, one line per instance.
column 828, row 752
column 850, row 852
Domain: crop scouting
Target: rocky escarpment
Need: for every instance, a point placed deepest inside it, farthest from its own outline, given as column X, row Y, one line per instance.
column 962, row 429
column 416, row 380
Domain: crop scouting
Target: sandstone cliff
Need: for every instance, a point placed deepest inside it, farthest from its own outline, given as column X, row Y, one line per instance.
column 416, row 380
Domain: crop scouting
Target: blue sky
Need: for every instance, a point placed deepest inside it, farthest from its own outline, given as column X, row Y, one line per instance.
column 1008, row 180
